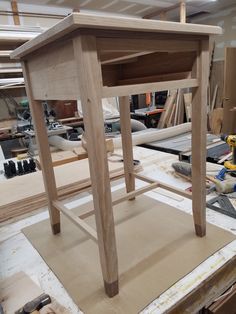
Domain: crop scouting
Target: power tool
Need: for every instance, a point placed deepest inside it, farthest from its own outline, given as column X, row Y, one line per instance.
column 231, row 141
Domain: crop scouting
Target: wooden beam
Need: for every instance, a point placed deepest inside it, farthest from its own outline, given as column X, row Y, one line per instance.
column 182, row 12
column 137, row 192
column 199, row 122
column 76, row 220
column 125, row 197
column 134, row 89
column 164, row 186
column 14, row 8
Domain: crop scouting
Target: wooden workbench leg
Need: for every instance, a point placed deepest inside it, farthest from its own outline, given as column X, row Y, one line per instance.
column 36, row 110
column 199, row 130
column 127, row 146
column 90, row 86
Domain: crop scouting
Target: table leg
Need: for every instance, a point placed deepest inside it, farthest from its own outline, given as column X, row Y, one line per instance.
column 36, row 110
column 127, row 146
column 90, row 86
column 199, row 130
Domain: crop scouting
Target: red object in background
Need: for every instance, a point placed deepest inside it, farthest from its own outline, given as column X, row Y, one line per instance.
column 64, row 109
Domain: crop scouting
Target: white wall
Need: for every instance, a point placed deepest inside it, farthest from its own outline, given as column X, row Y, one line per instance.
column 227, row 20
column 33, row 21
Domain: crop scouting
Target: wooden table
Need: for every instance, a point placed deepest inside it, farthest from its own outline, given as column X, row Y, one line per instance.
column 90, row 57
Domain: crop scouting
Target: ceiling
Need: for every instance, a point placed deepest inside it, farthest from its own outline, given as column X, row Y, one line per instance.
column 136, row 7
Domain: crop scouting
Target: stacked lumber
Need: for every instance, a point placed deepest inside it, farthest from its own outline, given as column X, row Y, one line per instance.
column 23, row 194
column 58, row 158
column 176, row 108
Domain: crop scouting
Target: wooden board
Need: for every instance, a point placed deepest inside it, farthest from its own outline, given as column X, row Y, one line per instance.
column 152, row 238
column 215, row 120
column 60, row 158
column 217, row 78
column 23, row 194
column 229, row 117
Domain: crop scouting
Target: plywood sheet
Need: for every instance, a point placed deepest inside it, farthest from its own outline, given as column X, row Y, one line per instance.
column 156, row 246
column 22, row 194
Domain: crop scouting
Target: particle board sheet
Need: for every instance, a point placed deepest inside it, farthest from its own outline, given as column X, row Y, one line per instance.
column 156, row 247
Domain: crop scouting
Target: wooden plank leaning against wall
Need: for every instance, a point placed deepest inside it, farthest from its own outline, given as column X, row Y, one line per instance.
column 229, row 100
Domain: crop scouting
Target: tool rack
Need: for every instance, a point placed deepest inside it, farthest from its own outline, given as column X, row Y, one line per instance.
column 91, row 57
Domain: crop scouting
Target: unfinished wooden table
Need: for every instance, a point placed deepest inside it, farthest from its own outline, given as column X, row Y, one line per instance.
column 91, row 57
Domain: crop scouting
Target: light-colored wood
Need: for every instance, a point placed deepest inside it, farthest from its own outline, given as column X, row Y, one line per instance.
column 168, row 110
column 65, row 63
column 108, row 141
column 134, row 89
column 127, row 196
column 164, row 186
column 80, row 20
column 216, row 120
column 188, row 105
column 29, row 192
column 59, row 158
column 14, row 8
column 182, row 12
column 56, row 73
column 90, row 86
column 199, row 129
column 76, row 220
column 217, row 78
column 125, row 126
column 213, row 103
column 170, row 121
column 229, row 101
column 133, row 194
column 80, row 152
column 36, row 110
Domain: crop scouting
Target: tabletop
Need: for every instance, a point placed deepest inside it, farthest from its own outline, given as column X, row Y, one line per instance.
column 80, row 21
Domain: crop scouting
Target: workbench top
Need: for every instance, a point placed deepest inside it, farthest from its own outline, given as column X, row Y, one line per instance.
column 18, row 254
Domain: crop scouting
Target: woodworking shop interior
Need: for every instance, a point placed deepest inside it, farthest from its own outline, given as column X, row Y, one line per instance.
column 118, row 156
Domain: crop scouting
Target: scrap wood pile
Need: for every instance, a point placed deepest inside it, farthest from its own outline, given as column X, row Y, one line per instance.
column 178, row 103
column 177, row 109
column 21, row 194
column 215, row 94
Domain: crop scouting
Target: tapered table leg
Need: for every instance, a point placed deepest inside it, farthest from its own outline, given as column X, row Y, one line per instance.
column 36, row 110
column 90, row 85
column 199, row 130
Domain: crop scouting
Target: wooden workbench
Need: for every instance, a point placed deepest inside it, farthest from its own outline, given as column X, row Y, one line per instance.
column 200, row 287
column 91, row 57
